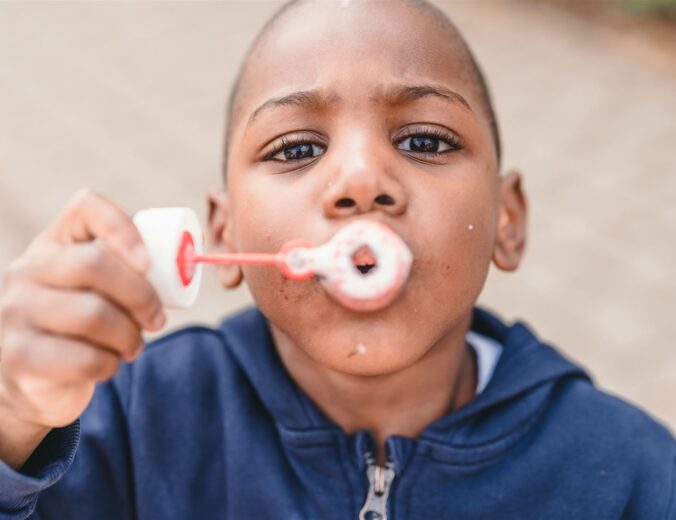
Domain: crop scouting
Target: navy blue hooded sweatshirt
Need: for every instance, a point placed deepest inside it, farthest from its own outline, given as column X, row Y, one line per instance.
column 208, row 424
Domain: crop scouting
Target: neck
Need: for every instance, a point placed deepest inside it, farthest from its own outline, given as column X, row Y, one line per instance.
column 399, row 403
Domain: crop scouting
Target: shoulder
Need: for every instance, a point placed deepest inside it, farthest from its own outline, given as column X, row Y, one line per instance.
column 601, row 427
column 611, row 419
column 619, row 446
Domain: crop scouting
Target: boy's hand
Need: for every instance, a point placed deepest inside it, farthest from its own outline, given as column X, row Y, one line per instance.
column 71, row 307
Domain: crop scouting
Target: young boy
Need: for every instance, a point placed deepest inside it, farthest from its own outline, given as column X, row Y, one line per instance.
column 342, row 111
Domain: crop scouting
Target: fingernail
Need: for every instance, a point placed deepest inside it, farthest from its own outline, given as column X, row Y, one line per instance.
column 140, row 257
column 159, row 320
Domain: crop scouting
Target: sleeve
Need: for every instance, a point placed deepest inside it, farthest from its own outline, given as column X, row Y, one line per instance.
column 19, row 490
column 77, row 481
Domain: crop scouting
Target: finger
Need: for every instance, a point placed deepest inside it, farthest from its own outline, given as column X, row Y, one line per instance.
column 90, row 216
column 83, row 315
column 90, row 266
column 48, row 357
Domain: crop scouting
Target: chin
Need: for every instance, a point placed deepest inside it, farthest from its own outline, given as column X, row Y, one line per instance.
column 365, row 344
column 371, row 360
column 373, row 341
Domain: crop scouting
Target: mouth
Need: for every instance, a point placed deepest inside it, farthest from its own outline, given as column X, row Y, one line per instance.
column 363, row 267
column 364, row 260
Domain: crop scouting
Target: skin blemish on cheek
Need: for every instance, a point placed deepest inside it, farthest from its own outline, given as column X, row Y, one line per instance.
column 470, row 227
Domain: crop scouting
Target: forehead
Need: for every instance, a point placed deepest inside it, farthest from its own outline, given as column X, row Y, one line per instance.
column 354, row 49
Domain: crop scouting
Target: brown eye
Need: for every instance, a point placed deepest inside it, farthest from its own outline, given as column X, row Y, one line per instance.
column 299, row 151
column 424, row 144
column 296, row 151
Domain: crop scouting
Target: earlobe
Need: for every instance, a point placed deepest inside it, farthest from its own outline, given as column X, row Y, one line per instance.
column 220, row 236
column 511, row 231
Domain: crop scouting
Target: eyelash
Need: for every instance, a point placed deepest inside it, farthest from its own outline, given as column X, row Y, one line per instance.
column 288, row 142
column 451, row 139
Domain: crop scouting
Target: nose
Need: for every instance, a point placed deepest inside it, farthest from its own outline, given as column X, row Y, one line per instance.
column 362, row 184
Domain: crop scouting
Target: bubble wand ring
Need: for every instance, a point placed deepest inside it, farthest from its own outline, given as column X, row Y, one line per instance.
column 364, row 266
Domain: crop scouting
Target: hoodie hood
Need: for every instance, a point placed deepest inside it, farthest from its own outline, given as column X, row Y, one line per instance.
column 527, row 374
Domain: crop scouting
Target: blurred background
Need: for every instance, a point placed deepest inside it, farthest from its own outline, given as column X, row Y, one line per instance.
column 128, row 98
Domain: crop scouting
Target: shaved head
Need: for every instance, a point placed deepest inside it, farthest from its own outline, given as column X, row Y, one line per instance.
column 471, row 71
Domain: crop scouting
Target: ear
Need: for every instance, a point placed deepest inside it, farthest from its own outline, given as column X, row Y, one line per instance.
column 510, row 237
column 220, row 235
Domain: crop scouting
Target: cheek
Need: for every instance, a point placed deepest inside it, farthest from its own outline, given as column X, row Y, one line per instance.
column 457, row 236
column 259, row 225
column 270, row 210
column 282, row 301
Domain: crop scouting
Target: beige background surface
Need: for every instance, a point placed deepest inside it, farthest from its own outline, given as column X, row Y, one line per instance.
column 128, row 99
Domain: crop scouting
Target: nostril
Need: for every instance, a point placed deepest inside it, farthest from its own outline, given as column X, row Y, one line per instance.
column 385, row 200
column 344, row 203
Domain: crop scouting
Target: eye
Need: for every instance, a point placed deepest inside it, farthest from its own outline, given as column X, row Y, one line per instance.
column 294, row 149
column 424, row 144
column 428, row 142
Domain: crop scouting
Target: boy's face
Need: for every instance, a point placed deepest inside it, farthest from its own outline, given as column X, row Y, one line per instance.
column 373, row 116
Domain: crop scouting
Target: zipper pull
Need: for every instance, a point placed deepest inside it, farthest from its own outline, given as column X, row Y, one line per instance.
column 380, row 480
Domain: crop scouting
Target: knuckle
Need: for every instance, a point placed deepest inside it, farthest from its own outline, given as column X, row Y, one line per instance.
column 13, row 310
column 94, row 313
column 13, row 273
column 112, row 227
column 147, row 300
column 100, row 366
column 123, row 230
column 109, row 370
column 83, row 196
column 92, row 260
column 120, row 233
column 133, row 343
column 88, row 364
column 10, row 381
column 129, row 337
column 81, row 199
column 9, row 276
column 8, row 312
column 16, row 356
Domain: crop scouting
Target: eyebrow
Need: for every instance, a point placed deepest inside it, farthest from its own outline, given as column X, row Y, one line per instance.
column 403, row 94
column 304, row 98
column 398, row 95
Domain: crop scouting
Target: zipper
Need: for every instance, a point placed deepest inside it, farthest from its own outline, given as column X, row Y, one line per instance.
column 380, row 482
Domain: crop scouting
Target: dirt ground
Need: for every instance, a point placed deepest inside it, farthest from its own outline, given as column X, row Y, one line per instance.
column 128, row 99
